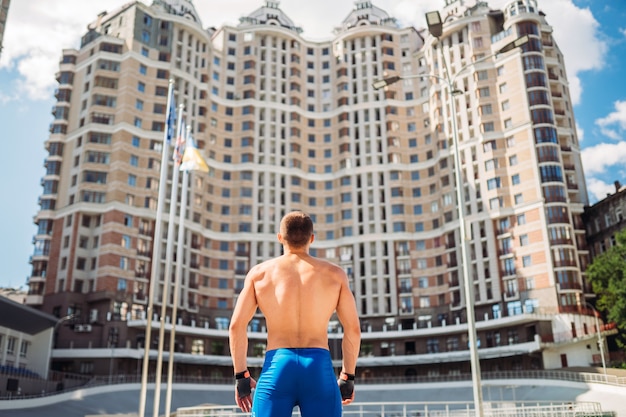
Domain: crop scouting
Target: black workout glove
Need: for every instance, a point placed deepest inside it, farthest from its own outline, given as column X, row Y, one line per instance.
column 243, row 383
column 346, row 385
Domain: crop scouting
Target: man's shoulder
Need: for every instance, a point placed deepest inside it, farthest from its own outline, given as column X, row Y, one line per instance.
column 330, row 266
column 261, row 268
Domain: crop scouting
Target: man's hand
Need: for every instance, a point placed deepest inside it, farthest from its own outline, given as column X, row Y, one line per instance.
column 243, row 391
column 346, row 387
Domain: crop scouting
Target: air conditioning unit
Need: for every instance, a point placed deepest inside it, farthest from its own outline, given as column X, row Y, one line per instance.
column 82, row 328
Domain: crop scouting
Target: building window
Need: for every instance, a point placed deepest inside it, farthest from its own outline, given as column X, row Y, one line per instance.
column 488, row 127
column 24, row 348
column 523, row 240
column 11, row 341
column 495, row 203
column 493, row 183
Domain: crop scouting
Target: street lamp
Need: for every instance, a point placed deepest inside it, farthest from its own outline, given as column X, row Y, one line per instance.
column 435, row 27
column 600, row 340
column 53, row 340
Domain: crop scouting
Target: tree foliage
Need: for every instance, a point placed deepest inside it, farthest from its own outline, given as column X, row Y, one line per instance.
column 607, row 275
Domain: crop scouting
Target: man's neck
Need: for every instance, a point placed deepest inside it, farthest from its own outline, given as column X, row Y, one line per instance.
column 304, row 250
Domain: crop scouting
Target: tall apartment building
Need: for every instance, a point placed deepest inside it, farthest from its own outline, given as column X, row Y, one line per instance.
column 286, row 123
column 4, row 13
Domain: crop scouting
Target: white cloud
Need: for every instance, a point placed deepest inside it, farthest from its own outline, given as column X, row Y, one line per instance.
column 599, row 189
column 580, row 132
column 614, row 124
column 599, row 158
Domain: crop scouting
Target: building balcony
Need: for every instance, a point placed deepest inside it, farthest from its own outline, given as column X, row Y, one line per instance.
column 34, row 299
column 139, row 296
column 505, row 252
column 146, row 231
column 144, row 253
column 510, row 295
column 36, row 278
column 451, row 356
column 513, row 348
column 76, row 350
column 431, row 327
column 569, row 286
column 406, row 311
column 405, row 289
column 565, row 263
column 140, row 273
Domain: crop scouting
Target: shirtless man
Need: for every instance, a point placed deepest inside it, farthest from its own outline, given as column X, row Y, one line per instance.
column 297, row 294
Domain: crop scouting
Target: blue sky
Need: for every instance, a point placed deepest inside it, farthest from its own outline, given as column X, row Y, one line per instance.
column 591, row 34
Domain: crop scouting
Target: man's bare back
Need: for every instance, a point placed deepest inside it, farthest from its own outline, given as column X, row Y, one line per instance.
column 297, row 294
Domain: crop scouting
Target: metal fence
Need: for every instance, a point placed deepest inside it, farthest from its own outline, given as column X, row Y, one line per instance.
column 432, row 409
column 71, row 382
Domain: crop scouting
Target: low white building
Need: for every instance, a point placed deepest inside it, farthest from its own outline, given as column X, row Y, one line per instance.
column 25, row 345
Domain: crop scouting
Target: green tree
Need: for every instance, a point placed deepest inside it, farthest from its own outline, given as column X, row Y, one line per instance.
column 607, row 275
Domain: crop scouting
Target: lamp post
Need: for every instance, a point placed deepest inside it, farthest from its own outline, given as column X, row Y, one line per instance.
column 600, row 339
column 435, row 27
column 53, row 340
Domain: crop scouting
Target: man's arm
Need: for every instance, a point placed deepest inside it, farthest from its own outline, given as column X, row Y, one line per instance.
column 349, row 318
column 238, row 343
column 238, row 330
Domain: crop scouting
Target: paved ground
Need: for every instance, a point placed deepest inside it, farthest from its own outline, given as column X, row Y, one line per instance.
column 123, row 399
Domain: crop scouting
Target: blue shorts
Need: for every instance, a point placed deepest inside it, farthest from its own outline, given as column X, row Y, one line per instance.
column 302, row 377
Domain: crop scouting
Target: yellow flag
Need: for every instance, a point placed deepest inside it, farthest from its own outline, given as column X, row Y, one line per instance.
column 192, row 160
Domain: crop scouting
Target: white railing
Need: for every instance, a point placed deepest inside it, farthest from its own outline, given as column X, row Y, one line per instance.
column 432, row 409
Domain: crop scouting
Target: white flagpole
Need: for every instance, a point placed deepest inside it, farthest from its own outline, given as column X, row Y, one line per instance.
column 166, row 278
column 179, row 272
column 156, row 254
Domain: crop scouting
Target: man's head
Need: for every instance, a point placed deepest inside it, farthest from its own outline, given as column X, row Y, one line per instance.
column 296, row 229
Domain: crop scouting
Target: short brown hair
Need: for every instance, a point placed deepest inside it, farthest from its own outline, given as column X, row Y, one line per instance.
column 296, row 228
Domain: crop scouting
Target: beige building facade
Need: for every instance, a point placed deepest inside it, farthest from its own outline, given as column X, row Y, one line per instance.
column 4, row 13
column 286, row 123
